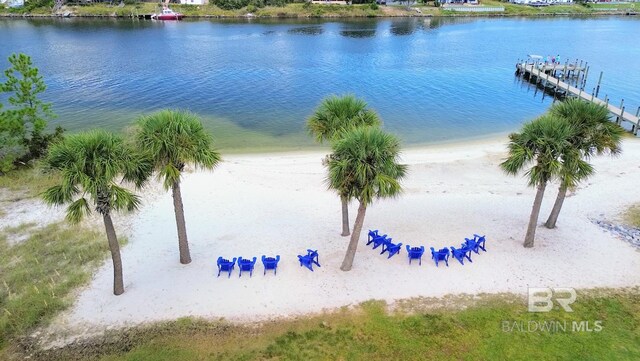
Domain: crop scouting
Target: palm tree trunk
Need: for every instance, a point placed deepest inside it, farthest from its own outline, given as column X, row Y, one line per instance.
column 114, row 247
column 557, row 206
column 345, row 216
column 533, row 219
column 347, row 263
column 183, row 243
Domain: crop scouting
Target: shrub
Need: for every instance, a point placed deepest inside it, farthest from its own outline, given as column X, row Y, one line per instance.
column 31, row 5
column 277, row 3
column 23, row 124
column 230, row 4
column 239, row 4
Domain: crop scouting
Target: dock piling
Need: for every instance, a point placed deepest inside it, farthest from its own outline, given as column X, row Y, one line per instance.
column 584, row 77
column 552, row 85
column 619, row 118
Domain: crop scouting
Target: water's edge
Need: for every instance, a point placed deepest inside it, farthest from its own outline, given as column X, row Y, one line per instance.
column 386, row 16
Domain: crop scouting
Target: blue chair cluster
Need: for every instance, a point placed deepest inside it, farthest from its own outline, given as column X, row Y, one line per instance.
column 269, row 263
column 464, row 252
column 470, row 245
column 387, row 243
column 247, row 265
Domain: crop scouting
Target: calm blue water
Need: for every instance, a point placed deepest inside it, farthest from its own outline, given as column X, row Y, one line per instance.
column 255, row 82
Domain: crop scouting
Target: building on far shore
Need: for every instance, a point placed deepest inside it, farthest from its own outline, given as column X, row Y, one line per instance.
column 470, row 2
column 194, row 2
column 13, row 3
column 539, row 2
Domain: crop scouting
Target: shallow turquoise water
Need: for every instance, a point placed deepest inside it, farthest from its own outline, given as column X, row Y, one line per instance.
column 255, row 82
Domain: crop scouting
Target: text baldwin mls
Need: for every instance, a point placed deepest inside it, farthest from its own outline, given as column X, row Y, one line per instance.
column 552, row 326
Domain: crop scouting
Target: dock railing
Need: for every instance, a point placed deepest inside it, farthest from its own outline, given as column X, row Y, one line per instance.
column 550, row 74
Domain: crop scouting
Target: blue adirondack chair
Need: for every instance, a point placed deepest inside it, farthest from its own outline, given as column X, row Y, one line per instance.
column 245, row 264
column 270, row 263
column 381, row 241
column 476, row 243
column 391, row 248
column 373, row 235
column 461, row 253
column 375, row 238
column 224, row 265
column 309, row 259
column 440, row 255
column 480, row 240
column 415, row 253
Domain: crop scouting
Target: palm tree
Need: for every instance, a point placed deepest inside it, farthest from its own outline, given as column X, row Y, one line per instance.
column 91, row 165
column 333, row 117
column 174, row 139
column 594, row 134
column 543, row 144
column 368, row 158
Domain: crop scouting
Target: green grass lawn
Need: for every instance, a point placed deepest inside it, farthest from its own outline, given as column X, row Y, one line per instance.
column 27, row 182
column 39, row 273
column 370, row 332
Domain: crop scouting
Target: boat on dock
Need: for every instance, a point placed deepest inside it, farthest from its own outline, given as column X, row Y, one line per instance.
column 167, row 14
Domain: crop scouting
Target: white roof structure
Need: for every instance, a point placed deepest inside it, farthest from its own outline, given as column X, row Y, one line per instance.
column 13, row 3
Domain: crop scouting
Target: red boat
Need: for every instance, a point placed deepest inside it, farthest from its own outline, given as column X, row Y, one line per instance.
column 167, row 14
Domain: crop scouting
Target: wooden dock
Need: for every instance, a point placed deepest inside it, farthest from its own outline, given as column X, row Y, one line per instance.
column 545, row 73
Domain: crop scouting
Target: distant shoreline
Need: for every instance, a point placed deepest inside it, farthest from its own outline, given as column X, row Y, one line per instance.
column 301, row 16
column 297, row 10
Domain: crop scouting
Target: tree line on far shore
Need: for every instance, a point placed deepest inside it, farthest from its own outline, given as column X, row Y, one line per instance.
column 31, row 5
column 100, row 171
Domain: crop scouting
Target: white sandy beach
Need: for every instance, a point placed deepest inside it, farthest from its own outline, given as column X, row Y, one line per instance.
column 278, row 204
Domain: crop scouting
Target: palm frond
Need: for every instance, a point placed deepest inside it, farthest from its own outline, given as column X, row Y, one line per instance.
column 90, row 165
column 594, row 132
column 169, row 175
column 336, row 115
column 364, row 165
column 77, row 210
column 540, row 145
column 123, row 200
column 174, row 138
column 57, row 195
column 138, row 168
